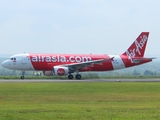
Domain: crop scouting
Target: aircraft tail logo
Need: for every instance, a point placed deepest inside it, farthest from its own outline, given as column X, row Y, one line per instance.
column 137, row 49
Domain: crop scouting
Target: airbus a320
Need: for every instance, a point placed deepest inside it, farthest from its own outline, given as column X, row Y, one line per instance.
column 66, row 64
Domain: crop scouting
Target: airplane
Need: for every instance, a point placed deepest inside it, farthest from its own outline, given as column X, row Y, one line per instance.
column 66, row 64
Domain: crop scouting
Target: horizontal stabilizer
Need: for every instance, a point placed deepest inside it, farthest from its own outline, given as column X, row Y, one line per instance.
column 138, row 60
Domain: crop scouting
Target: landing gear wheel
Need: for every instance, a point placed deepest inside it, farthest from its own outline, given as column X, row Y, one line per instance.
column 22, row 77
column 78, row 76
column 70, row 76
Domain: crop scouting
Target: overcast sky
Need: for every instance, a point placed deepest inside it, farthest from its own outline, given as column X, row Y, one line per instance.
column 77, row 26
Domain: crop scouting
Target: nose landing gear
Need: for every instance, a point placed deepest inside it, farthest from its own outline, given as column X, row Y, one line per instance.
column 22, row 77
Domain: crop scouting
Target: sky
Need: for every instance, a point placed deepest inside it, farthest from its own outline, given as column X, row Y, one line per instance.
column 77, row 26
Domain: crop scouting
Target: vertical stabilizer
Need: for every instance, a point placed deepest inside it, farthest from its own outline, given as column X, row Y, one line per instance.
column 137, row 49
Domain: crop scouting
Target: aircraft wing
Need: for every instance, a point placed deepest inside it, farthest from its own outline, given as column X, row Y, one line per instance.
column 77, row 66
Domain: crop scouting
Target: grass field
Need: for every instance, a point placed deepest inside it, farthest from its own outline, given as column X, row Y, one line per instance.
column 76, row 101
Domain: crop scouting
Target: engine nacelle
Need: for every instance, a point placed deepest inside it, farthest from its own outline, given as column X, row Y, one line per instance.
column 60, row 71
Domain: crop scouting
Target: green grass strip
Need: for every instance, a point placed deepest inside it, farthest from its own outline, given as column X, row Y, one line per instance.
column 80, row 101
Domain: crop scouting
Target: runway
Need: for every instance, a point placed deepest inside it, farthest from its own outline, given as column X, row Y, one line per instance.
column 83, row 80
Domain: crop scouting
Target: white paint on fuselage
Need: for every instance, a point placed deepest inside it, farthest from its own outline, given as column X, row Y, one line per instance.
column 21, row 62
column 117, row 62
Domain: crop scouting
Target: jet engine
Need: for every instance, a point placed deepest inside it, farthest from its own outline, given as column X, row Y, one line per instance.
column 60, row 71
column 57, row 70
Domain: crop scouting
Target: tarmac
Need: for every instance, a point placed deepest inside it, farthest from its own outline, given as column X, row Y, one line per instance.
column 83, row 80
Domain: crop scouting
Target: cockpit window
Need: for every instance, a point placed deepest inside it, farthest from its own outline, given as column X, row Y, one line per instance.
column 13, row 58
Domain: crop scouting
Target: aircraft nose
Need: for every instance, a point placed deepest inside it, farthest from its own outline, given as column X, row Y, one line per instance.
column 5, row 64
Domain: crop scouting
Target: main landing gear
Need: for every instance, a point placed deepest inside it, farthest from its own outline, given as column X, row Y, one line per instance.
column 78, row 76
column 70, row 76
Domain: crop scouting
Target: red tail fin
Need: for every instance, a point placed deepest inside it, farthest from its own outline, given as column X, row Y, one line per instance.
column 138, row 47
